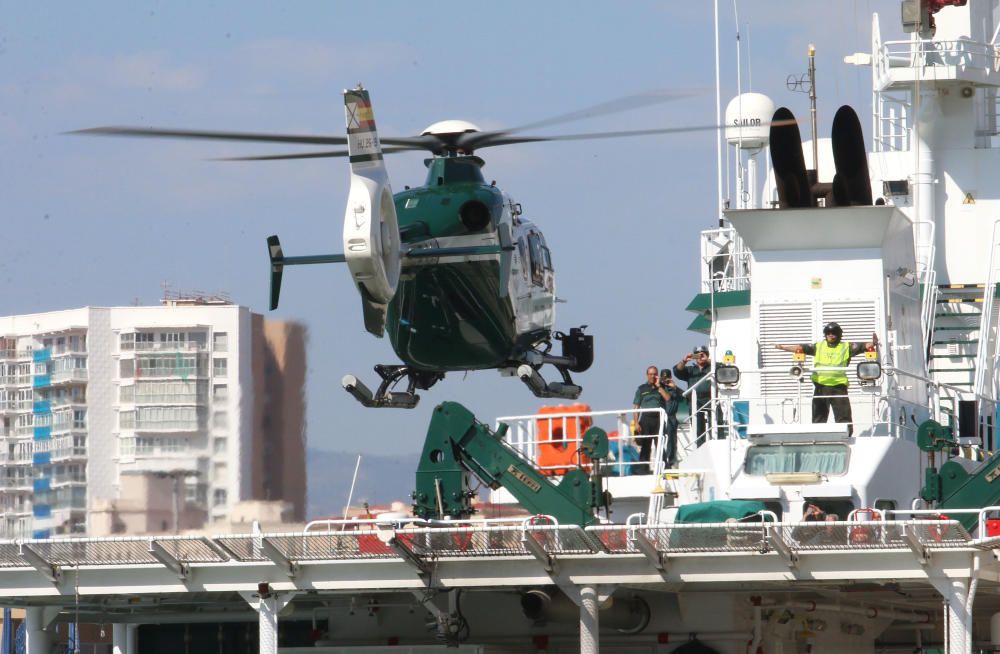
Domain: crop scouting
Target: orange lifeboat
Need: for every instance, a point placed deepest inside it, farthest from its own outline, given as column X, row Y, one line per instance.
column 559, row 434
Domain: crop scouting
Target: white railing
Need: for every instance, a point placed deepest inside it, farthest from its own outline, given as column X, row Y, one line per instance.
column 963, row 54
column 725, row 261
column 986, row 326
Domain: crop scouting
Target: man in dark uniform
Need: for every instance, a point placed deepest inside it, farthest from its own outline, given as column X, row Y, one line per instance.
column 694, row 367
column 655, row 394
column 830, row 386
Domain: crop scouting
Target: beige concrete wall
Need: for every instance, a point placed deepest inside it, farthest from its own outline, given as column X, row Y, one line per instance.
column 278, row 470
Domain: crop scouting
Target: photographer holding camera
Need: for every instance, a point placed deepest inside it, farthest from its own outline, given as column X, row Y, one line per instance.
column 658, row 392
column 693, row 368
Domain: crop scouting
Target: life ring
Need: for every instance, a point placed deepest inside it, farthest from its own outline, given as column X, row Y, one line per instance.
column 462, row 540
column 864, row 533
column 937, row 532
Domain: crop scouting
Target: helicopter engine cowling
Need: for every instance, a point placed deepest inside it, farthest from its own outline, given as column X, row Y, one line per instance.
column 371, row 229
column 474, row 215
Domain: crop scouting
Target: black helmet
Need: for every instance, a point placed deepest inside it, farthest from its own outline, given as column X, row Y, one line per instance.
column 832, row 328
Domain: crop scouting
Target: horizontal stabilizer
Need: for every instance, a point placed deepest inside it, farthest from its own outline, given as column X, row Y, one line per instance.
column 279, row 261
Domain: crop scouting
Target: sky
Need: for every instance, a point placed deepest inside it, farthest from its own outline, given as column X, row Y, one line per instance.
column 106, row 222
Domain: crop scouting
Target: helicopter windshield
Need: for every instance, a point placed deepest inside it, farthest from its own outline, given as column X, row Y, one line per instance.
column 454, row 170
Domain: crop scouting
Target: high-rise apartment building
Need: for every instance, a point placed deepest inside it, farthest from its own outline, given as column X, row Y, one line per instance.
column 144, row 419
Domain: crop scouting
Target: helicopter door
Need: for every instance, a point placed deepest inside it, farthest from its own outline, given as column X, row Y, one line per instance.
column 542, row 281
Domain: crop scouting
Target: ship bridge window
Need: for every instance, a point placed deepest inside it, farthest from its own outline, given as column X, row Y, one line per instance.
column 822, row 458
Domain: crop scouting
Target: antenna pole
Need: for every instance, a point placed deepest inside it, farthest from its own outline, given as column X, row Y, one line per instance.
column 718, row 113
column 350, row 494
column 812, row 106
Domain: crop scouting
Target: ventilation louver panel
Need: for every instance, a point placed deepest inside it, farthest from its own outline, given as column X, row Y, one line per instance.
column 789, row 324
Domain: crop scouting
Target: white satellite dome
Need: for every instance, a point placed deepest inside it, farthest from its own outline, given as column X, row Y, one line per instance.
column 748, row 120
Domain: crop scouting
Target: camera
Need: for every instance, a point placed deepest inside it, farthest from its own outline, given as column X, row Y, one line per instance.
column 665, row 376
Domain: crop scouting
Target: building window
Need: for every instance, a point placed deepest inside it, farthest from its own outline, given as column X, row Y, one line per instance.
column 126, row 419
column 219, row 497
column 219, row 473
column 126, row 393
column 197, row 340
column 220, row 342
column 173, row 338
column 126, row 342
column 219, row 367
column 126, row 368
column 220, row 420
column 144, row 340
column 79, row 418
column 219, row 445
column 220, row 392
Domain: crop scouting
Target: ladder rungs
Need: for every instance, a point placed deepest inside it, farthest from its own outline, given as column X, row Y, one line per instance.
column 956, row 328
column 952, row 356
column 968, row 342
column 951, row 370
column 960, row 300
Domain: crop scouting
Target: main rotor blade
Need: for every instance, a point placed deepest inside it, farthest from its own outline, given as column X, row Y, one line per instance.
column 503, row 139
column 618, row 105
column 258, row 137
column 323, row 154
column 210, row 135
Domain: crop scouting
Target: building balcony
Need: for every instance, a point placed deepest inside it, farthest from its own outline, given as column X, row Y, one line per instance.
column 75, row 376
column 158, row 346
column 171, row 400
column 164, row 463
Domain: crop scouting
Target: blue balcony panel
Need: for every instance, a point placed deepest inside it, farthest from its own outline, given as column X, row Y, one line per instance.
column 43, row 433
column 41, row 458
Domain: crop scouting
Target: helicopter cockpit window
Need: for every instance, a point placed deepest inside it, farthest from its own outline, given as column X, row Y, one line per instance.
column 535, row 248
column 546, row 258
column 458, row 171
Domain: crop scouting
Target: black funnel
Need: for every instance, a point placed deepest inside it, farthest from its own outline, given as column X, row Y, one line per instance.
column 788, row 163
column 851, row 184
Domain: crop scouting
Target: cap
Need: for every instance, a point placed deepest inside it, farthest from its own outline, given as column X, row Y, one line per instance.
column 702, row 348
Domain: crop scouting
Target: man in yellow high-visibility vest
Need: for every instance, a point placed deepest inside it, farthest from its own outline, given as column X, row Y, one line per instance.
column 830, row 386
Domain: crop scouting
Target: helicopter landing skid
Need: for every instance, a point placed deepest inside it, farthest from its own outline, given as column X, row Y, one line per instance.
column 384, row 397
column 565, row 390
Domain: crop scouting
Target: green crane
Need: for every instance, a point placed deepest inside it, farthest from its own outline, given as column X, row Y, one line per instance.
column 458, row 445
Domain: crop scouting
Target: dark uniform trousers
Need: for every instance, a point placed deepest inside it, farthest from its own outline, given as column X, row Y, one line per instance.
column 825, row 397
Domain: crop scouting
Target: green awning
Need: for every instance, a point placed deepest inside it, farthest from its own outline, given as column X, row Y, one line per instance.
column 703, row 301
column 700, row 324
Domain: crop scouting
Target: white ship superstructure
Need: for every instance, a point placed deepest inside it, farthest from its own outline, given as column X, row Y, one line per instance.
column 909, row 560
